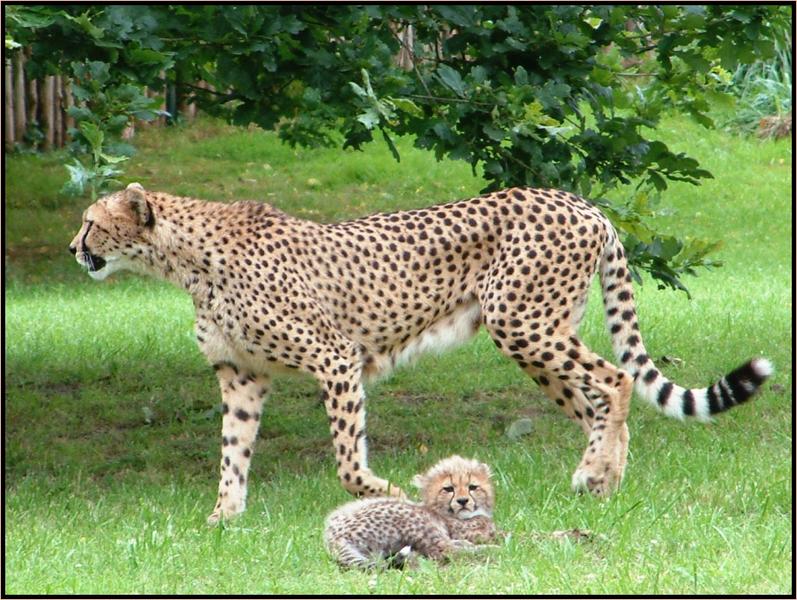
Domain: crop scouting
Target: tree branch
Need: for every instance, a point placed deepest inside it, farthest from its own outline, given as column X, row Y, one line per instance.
column 413, row 59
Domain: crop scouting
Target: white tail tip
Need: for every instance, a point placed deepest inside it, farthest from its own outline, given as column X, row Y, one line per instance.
column 763, row 367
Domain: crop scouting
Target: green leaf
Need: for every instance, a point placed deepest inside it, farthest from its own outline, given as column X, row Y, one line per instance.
column 478, row 74
column 113, row 159
column 78, row 176
column 31, row 17
column 443, row 131
column 370, row 118
column 493, row 167
column 451, row 79
column 358, row 90
column 148, row 56
column 695, row 61
column 390, row 144
column 552, row 94
column 84, row 22
column 99, row 71
column 494, row 133
column 93, row 134
column 408, row 106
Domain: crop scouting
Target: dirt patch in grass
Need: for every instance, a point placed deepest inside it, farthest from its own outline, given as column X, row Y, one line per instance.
column 32, row 251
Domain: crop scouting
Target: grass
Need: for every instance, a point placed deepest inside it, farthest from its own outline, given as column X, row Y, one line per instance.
column 112, row 418
column 763, row 93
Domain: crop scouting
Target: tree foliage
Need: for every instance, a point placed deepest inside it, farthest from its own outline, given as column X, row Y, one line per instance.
column 559, row 96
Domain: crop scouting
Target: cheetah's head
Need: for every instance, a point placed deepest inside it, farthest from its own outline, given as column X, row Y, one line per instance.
column 111, row 234
column 458, row 487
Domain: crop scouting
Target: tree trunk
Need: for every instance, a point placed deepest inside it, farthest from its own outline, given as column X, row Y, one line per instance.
column 405, row 58
column 59, row 113
column 69, row 102
column 48, row 111
column 165, row 92
column 32, row 106
column 8, row 121
column 20, row 120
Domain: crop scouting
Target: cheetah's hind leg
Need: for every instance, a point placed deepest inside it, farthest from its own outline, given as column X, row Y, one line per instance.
column 403, row 559
column 349, row 556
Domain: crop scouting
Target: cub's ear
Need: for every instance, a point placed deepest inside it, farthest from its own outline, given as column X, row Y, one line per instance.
column 418, row 481
column 485, row 469
column 136, row 198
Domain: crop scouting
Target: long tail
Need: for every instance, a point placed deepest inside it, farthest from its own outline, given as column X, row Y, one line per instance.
column 618, row 298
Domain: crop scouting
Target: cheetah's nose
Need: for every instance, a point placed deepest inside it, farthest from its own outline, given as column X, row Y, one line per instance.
column 73, row 249
column 462, row 501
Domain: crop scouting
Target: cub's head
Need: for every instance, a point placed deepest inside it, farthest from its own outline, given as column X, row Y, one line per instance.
column 111, row 235
column 457, row 487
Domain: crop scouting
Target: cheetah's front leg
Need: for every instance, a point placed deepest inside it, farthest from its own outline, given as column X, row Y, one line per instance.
column 344, row 400
column 242, row 401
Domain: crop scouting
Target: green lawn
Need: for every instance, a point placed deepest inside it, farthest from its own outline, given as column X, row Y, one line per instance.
column 112, row 419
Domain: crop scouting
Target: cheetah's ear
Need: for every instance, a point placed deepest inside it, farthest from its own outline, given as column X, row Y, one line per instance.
column 418, row 481
column 485, row 469
column 136, row 198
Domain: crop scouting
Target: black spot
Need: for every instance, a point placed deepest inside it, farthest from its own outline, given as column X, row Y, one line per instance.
column 650, row 376
column 242, row 414
column 714, row 405
column 664, row 393
column 688, row 403
column 727, row 398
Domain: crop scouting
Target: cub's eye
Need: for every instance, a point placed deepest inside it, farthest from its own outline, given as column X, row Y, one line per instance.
column 448, row 488
column 473, row 486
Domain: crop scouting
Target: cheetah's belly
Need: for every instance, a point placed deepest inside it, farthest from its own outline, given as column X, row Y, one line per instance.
column 447, row 332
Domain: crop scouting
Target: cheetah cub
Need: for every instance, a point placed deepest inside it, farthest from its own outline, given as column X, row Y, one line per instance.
column 455, row 513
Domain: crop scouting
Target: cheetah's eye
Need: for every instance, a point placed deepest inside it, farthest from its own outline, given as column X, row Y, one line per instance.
column 448, row 488
column 473, row 486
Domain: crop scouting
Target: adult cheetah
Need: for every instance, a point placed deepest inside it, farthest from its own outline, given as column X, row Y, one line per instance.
column 345, row 301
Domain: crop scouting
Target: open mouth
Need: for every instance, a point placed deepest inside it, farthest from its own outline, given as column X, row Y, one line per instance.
column 93, row 263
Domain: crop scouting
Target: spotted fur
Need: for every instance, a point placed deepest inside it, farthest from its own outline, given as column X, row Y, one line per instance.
column 350, row 300
column 455, row 514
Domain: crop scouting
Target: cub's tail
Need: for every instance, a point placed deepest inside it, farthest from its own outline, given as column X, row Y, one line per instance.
column 700, row 403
